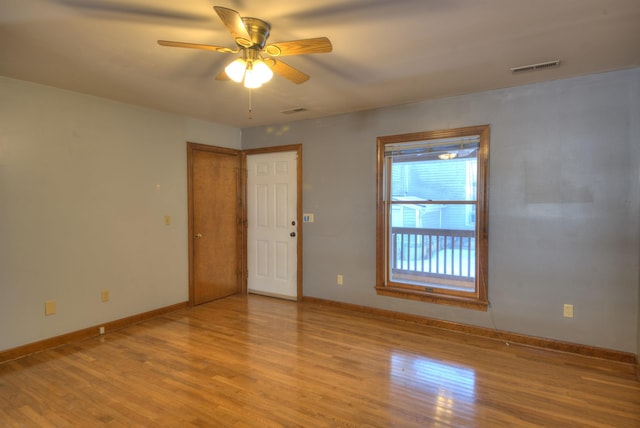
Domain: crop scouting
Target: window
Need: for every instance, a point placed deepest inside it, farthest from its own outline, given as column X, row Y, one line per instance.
column 432, row 223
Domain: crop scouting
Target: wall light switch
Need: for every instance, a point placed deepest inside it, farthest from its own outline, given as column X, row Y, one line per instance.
column 307, row 218
column 104, row 295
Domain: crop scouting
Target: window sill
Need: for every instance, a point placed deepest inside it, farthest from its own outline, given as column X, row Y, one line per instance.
column 403, row 293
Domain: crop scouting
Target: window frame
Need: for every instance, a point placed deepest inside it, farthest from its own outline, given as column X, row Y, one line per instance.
column 478, row 299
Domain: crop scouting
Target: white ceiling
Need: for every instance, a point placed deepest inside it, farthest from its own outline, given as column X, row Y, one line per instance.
column 385, row 52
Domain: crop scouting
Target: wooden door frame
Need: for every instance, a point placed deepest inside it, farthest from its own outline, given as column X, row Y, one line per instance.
column 191, row 147
column 264, row 150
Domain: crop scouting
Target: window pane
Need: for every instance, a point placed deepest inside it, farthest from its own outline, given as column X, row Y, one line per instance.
column 433, row 245
column 434, row 180
column 434, row 216
column 432, row 241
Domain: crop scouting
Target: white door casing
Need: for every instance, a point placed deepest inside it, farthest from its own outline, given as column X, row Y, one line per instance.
column 272, row 224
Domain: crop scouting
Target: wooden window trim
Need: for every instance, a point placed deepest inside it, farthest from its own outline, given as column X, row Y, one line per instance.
column 477, row 300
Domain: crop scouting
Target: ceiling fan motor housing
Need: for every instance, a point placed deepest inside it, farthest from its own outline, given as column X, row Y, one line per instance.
column 258, row 31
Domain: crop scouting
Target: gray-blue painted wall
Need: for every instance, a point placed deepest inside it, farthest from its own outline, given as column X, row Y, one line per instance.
column 564, row 204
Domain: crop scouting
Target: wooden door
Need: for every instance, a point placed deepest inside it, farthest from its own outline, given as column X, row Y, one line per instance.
column 272, row 224
column 215, row 222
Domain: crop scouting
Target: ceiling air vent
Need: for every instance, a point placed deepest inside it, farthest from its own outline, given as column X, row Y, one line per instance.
column 294, row 110
column 534, row 67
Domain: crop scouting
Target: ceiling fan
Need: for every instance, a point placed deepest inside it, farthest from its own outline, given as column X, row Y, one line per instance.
column 259, row 59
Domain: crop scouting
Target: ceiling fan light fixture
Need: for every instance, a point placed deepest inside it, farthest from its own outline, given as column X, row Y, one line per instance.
column 252, row 79
column 252, row 72
column 236, row 70
column 262, row 70
column 257, row 74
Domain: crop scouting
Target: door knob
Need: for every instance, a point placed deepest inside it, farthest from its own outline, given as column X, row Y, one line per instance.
column 292, row 234
column 198, row 235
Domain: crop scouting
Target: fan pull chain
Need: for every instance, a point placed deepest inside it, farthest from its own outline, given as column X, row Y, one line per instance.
column 250, row 114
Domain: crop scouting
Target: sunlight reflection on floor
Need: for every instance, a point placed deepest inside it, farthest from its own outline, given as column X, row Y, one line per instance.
column 454, row 386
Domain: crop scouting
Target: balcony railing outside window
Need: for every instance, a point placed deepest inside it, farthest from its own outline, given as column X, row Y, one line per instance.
column 433, row 256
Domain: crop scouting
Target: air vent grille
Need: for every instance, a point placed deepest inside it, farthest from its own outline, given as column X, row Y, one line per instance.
column 534, row 67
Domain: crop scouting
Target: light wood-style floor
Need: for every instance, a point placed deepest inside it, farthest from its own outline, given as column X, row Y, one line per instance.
column 261, row 362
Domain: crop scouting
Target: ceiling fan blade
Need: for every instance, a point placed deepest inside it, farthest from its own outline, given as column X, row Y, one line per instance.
column 300, row 47
column 196, row 46
column 233, row 21
column 286, row 71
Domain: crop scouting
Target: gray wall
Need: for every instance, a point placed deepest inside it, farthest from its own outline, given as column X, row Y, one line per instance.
column 564, row 204
column 85, row 184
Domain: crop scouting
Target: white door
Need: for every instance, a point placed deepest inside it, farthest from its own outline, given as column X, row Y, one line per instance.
column 272, row 244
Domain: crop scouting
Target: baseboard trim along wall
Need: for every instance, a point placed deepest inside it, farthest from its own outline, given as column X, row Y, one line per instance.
column 85, row 333
column 515, row 338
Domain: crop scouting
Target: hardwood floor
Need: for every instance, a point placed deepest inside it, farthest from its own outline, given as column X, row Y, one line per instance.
column 261, row 362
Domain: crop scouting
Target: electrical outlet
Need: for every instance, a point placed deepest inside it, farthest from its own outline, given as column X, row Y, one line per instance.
column 568, row 311
column 101, row 330
column 167, row 220
column 50, row 307
column 340, row 280
column 104, row 296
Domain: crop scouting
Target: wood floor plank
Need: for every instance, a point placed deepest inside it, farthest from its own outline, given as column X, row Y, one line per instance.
column 254, row 361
